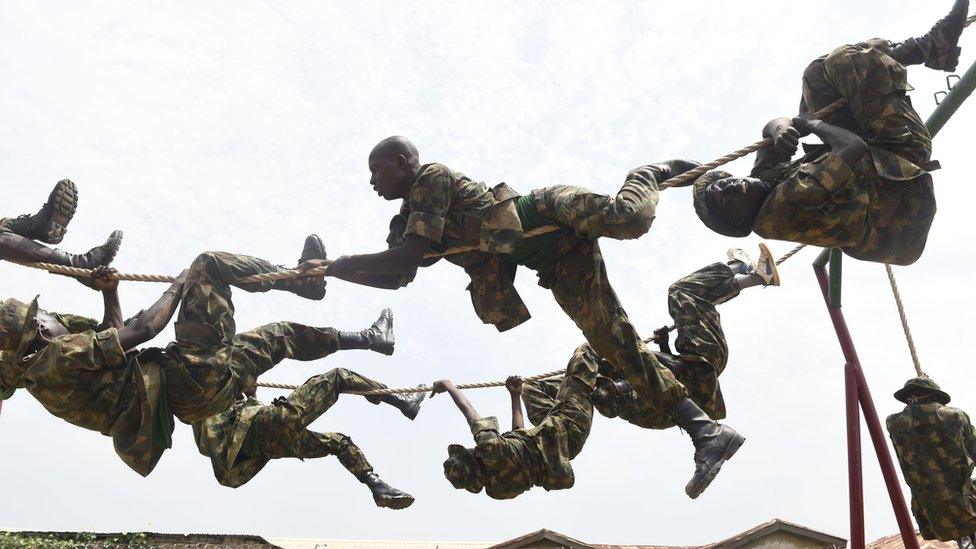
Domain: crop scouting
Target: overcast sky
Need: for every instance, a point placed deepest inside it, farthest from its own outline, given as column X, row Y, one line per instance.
column 243, row 126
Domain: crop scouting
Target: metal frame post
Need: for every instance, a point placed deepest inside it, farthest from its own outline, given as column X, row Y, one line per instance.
column 858, row 400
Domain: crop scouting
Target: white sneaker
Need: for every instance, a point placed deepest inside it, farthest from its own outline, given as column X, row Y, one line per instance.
column 740, row 256
column 766, row 266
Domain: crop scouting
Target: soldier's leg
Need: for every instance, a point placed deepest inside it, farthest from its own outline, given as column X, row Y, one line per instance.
column 874, row 87
column 574, row 401
column 282, row 432
column 582, row 289
column 580, row 285
column 539, row 397
column 51, row 222
column 938, row 48
column 691, row 302
column 15, row 247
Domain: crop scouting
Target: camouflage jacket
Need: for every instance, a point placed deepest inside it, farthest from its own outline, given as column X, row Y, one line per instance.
column 86, row 379
column 879, row 210
column 516, row 461
column 449, row 209
column 936, row 446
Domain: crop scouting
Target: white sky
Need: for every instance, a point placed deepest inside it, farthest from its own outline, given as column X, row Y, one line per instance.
column 243, row 126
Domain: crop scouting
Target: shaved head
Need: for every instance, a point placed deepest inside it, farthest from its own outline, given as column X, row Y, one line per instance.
column 394, row 164
column 389, row 148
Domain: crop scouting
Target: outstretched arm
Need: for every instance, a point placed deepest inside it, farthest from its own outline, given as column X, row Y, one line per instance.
column 147, row 325
column 514, row 386
column 462, row 402
column 389, row 269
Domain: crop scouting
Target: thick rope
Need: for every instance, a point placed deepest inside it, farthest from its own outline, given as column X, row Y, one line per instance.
column 381, row 392
column 485, row 385
column 904, row 321
column 676, row 181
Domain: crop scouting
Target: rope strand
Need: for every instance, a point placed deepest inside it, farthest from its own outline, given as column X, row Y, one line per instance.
column 904, row 321
column 382, row 392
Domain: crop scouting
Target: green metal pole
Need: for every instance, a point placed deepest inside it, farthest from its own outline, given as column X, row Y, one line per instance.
column 836, row 273
column 959, row 93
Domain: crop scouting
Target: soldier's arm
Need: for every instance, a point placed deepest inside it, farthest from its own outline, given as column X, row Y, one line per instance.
column 844, row 144
column 386, row 269
column 462, row 402
column 148, row 324
column 514, row 386
column 969, row 438
column 104, row 280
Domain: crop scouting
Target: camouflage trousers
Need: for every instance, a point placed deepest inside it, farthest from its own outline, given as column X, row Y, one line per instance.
column 874, row 88
column 572, row 410
column 626, row 216
column 701, row 342
column 213, row 363
column 578, row 280
column 280, row 430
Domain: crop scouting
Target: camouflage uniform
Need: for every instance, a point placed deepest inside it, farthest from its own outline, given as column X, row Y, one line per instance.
column 514, row 462
column 86, row 378
column 701, row 346
column 936, row 447
column 241, row 440
column 879, row 209
column 449, row 209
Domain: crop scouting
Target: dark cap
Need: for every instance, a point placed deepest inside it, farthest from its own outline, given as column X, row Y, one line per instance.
column 707, row 211
column 921, row 387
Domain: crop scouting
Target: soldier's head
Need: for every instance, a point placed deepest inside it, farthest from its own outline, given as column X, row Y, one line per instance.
column 728, row 205
column 394, row 164
column 462, row 469
column 922, row 390
column 611, row 397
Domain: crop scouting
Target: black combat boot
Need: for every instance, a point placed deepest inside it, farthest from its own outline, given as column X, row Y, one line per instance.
column 310, row 287
column 408, row 403
column 51, row 222
column 99, row 256
column 378, row 337
column 714, row 444
column 385, row 495
column 938, row 49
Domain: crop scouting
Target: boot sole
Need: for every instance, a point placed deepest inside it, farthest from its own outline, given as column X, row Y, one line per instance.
column 730, row 451
column 64, row 203
column 401, row 502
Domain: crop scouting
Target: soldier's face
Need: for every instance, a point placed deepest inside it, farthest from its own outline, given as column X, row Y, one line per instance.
column 387, row 176
column 739, row 197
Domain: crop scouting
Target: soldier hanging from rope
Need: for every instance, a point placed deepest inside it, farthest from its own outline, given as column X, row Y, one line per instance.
column 508, row 464
column 18, row 235
column 867, row 190
column 442, row 208
column 702, row 351
column 91, row 373
column 241, row 440
column 936, row 446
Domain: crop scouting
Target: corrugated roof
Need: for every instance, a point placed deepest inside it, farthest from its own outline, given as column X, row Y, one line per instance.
column 310, row 543
column 895, row 542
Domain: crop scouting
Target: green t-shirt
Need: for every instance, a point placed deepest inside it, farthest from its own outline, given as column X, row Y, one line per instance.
column 539, row 252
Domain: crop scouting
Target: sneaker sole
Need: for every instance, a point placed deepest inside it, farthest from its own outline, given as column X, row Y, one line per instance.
column 64, row 203
column 764, row 250
column 730, row 451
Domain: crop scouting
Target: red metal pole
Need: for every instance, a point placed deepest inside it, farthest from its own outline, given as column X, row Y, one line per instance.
column 885, row 461
column 870, row 416
column 855, row 478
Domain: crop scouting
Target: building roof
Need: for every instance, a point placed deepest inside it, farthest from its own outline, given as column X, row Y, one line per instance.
column 895, row 542
column 532, row 539
column 776, row 525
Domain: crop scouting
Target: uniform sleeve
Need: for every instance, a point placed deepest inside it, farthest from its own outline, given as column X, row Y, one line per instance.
column 487, row 439
column 429, row 202
column 76, row 324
